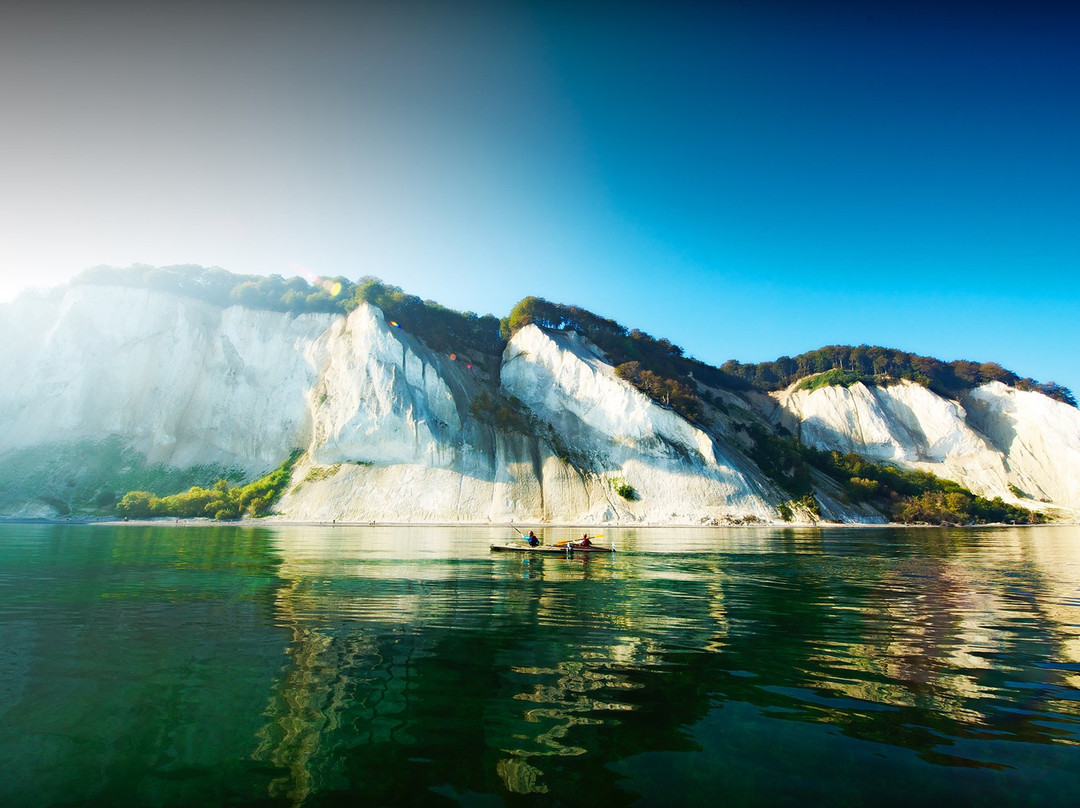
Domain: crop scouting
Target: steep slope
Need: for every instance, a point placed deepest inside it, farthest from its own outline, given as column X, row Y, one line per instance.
column 678, row 471
column 118, row 387
column 395, row 438
column 997, row 442
column 1038, row 437
column 185, row 381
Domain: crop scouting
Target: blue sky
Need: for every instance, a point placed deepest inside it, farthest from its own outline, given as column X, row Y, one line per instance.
column 746, row 179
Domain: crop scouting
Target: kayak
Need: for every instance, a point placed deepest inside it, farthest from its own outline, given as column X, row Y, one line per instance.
column 562, row 549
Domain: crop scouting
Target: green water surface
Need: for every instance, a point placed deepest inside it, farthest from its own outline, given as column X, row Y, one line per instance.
column 207, row 665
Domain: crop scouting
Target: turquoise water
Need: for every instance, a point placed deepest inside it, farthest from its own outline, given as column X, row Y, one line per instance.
column 411, row 666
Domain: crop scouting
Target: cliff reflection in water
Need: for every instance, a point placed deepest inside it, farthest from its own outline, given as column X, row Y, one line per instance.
column 408, row 674
column 418, row 668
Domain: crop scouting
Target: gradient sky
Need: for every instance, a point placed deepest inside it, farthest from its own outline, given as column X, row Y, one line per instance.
column 747, row 179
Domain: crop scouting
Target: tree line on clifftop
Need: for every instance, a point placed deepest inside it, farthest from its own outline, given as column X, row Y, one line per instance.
column 833, row 364
column 846, row 364
column 655, row 366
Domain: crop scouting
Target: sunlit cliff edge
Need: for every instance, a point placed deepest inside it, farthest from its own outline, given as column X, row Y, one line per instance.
column 108, row 389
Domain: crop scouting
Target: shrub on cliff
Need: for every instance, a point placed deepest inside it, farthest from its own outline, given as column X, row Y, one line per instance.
column 441, row 328
column 914, row 496
column 959, row 508
column 220, row 501
column 669, row 392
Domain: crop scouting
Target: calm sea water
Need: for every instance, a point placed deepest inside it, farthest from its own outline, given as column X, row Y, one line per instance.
column 411, row 666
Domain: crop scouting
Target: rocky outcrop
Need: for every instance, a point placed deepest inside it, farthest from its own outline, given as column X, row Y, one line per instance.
column 1037, row 437
column 998, row 441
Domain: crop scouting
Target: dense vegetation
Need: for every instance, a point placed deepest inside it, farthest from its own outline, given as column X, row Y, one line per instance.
column 914, row 496
column 673, row 393
column 505, row 412
column 869, row 364
column 87, row 477
column 838, row 378
column 441, row 328
column 222, row 288
column 220, row 501
column 903, row 496
column 782, row 460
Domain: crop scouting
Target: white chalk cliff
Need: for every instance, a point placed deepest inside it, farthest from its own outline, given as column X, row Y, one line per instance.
column 107, row 387
column 997, row 441
column 180, row 381
column 394, row 438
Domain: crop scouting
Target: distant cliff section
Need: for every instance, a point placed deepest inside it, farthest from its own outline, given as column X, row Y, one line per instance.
column 394, row 409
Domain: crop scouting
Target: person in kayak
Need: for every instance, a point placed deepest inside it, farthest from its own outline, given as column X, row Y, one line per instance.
column 585, row 541
column 533, row 541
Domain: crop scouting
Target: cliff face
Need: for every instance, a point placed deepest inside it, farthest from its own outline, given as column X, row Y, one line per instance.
column 395, row 437
column 1038, row 437
column 678, row 471
column 109, row 389
column 997, row 441
column 182, row 382
column 116, row 388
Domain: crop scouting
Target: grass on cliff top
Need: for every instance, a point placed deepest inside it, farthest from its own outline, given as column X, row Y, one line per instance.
column 837, row 377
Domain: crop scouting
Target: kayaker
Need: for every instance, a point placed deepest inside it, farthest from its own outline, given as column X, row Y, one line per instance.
column 533, row 541
column 585, row 541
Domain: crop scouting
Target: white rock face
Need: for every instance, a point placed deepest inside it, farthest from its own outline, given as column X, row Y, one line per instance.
column 676, row 468
column 183, row 382
column 394, row 439
column 379, row 400
column 390, row 434
column 1038, row 436
column 997, row 438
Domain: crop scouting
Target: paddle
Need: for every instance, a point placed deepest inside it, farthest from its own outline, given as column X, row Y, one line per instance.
column 515, row 527
column 562, row 542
